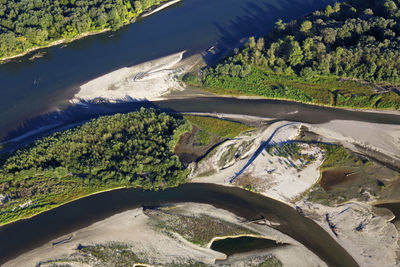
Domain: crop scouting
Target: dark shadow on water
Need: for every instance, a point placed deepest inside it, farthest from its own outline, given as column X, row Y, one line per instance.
column 71, row 116
column 262, row 16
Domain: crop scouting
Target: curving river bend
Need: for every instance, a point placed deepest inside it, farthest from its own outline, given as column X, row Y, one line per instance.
column 28, row 234
column 29, row 88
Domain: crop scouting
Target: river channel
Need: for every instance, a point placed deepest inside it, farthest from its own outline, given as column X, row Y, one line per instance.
column 24, row 235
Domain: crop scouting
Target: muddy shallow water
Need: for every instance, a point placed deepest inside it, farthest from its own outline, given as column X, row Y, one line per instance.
column 339, row 176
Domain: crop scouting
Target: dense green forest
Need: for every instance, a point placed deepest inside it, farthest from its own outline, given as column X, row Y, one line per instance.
column 134, row 150
column 346, row 55
column 25, row 24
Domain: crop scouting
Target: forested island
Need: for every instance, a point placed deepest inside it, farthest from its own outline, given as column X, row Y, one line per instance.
column 123, row 150
column 344, row 55
column 36, row 23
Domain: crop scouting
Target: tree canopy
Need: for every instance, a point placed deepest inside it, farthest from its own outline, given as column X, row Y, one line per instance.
column 134, row 149
column 358, row 39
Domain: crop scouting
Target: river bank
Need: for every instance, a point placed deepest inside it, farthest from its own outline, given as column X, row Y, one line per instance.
column 141, row 230
column 367, row 109
column 59, row 205
column 241, row 95
column 54, row 43
column 83, row 35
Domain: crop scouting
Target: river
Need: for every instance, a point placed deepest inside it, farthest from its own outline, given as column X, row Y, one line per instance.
column 278, row 110
column 28, row 234
column 31, row 87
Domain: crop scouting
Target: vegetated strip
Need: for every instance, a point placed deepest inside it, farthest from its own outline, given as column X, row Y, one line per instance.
column 220, row 127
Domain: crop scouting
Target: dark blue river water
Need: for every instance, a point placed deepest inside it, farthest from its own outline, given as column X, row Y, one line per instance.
column 29, row 87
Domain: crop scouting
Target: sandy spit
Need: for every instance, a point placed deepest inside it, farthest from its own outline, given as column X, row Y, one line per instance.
column 161, row 8
column 145, row 81
column 381, row 138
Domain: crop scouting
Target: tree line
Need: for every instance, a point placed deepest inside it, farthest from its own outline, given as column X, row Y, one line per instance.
column 334, row 56
column 357, row 39
column 31, row 23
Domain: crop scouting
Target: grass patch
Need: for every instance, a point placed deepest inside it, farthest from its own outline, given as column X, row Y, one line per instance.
column 111, row 254
column 272, row 261
column 227, row 156
column 203, row 138
column 320, row 90
column 200, row 230
column 221, row 128
column 338, row 156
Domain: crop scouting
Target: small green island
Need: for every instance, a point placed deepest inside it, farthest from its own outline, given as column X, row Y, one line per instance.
column 123, row 150
column 345, row 55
